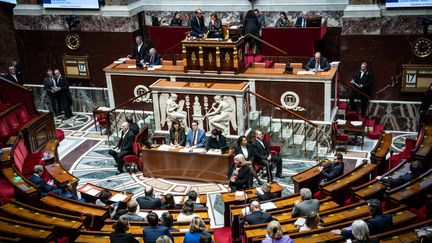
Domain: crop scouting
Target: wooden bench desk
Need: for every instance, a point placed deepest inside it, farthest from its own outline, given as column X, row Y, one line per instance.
column 339, row 190
column 91, row 192
column 24, row 189
column 137, row 227
column 60, row 174
column 404, row 234
column 309, row 178
column 29, row 231
column 29, row 213
column 379, row 153
column 408, row 192
column 229, row 198
column 370, row 189
column 94, row 215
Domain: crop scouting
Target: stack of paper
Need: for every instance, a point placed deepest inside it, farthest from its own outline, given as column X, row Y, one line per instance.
column 93, row 192
column 118, row 197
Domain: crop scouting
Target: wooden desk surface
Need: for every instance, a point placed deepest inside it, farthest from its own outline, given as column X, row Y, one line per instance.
column 349, row 127
column 235, row 85
column 42, row 216
column 249, row 193
column 99, row 238
column 6, row 154
column 51, row 148
column 88, row 186
column 351, row 177
column 18, row 181
column 382, row 147
column 79, row 208
column 325, row 206
column 280, row 72
column 60, row 174
column 414, row 187
column 26, row 230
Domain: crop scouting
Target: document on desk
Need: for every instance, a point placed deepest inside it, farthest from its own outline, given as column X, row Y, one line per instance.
column 164, row 147
column 214, row 151
column 198, row 150
column 268, row 206
column 340, row 122
column 93, row 192
column 185, row 150
column 118, row 197
column 133, row 66
column 305, row 72
column 357, row 123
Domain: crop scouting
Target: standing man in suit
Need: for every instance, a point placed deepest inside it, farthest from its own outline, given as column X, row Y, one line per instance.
column 197, row 24
column 65, row 94
column 149, row 201
column 140, row 49
column 301, row 21
column 13, row 76
column 246, row 149
column 362, row 79
column 263, row 156
column 195, row 137
column 317, row 63
column 152, row 58
column 53, row 92
column 123, row 148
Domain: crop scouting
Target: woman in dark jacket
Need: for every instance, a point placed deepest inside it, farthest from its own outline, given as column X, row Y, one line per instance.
column 215, row 27
column 251, row 26
column 176, row 21
column 177, row 134
column 239, row 174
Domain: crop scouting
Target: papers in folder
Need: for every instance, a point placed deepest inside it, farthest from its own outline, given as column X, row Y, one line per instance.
column 93, row 192
column 305, row 72
column 120, row 60
column 118, row 197
column 214, row 151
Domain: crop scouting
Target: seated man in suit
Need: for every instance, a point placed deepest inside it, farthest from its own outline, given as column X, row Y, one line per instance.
column 301, row 20
column 154, row 231
column 195, row 137
column 132, row 210
column 415, row 171
column 140, row 49
column 263, row 156
column 177, row 135
column 123, row 148
column 197, row 24
column 37, row 180
column 306, row 205
column 256, row 216
column 152, row 58
column 362, row 79
column 244, row 147
column 317, row 63
column 149, row 201
column 333, row 169
column 378, row 223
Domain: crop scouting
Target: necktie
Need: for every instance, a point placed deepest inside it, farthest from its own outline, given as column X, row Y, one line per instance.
column 53, row 82
column 199, row 24
column 194, row 137
column 317, row 65
column 303, row 22
column 151, row 60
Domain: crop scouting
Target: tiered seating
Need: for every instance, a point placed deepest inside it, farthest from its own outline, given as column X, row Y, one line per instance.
column 137, row 227
column 24, row 160
column 379, row 153
column 27, row 231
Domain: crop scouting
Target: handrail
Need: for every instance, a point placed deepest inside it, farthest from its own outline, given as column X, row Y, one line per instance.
column 283, row 108
column 16, row 85
column 128, row 101
column 356, row 89
column 266, row 43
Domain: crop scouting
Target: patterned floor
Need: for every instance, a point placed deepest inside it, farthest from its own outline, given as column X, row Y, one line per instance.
column 84, row 152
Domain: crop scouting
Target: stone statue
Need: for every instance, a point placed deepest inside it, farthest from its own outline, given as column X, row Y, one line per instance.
column 224, row 112
column 171, row 111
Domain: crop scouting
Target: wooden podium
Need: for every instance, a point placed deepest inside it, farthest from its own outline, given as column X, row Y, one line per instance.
column 213, row 55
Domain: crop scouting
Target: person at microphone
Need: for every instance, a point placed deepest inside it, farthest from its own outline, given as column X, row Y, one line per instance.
column 195, row 137
column 275, row 234
column 317, row 63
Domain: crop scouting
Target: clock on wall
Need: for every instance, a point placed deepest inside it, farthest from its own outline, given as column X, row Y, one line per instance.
column 73, row 41
column 422, row 47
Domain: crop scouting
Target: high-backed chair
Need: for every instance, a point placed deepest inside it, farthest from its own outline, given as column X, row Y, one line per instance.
column 339, row 137
column 159, row 140
column 133, row 161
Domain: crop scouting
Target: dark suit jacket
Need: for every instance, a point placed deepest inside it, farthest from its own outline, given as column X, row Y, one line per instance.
column 139, row 55
column 64, row 90
column 243, row 177
column 181, row 136
column 377, row 225
column 212, row 143
column 299, row 21
column 156, row 59
column 150, row 234
column 323, row 63
column 18, row 79
column 365, row 80
column 147, row 202
column 399, row 181
column 122, row 238
column 134, row 128
column 126, row 143
column 267, row 196
column 45, row 188
column 333, row 171
column 196, row 28
column 48, row 85
column 238, row 150
column 257, row 217
column 260, row 152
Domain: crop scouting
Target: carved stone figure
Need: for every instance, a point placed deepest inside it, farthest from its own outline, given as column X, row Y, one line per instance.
column 224, row 112
column 171, row 111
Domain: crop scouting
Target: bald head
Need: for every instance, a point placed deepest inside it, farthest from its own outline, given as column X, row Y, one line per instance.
column 255, row 206
column 125, row 126
column 148, row 191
